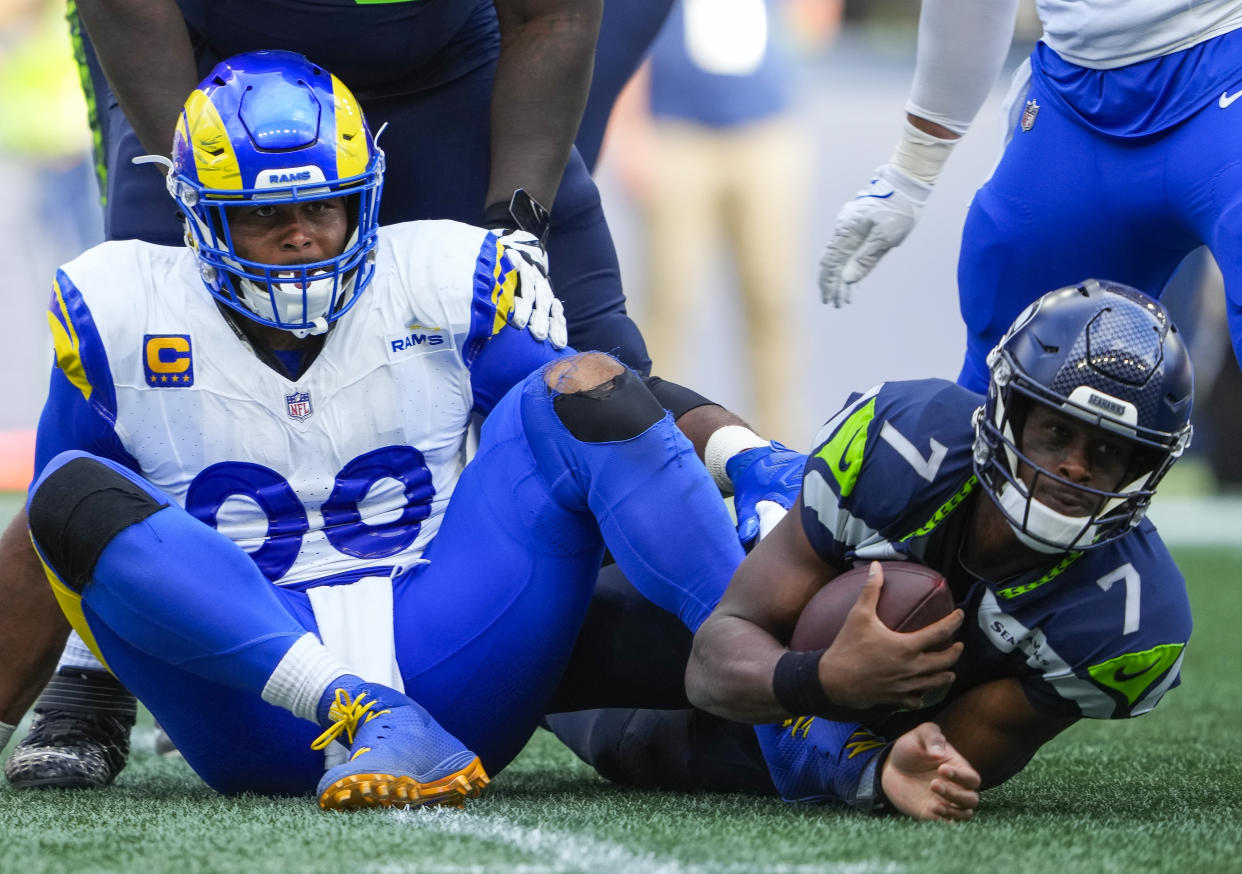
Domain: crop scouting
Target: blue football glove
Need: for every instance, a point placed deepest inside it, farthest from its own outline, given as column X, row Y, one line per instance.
column 766, row 482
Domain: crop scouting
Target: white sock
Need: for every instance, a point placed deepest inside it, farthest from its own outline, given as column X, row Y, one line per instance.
column 299, row 680
column 77, row 655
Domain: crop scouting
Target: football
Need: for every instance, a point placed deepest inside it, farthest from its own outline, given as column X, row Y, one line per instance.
column 912, row 596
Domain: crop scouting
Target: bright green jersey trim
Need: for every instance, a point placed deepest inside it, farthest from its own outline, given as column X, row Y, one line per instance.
column 1015, row 591
column 88, row 91
column 844, row 452
column 944, row 510
column 1132, row 674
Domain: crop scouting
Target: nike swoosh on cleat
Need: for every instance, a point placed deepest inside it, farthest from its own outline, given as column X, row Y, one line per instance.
column 1227, row 99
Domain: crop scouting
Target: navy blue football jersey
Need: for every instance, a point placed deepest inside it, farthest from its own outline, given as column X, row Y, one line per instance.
column 1097, row 634
column 380, row 49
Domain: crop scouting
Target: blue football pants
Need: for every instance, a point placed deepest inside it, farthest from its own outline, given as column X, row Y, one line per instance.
column 1067, row 204
column 483, row 630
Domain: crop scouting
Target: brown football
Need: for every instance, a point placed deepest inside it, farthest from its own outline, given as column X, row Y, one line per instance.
column 912, row 596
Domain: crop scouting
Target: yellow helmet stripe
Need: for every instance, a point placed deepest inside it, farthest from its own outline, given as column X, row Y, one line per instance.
column 65, row 341
column 214, row 157
column 351, row 140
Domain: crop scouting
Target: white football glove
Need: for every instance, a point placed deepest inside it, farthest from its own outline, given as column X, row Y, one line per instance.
column 535, row 307
column 877, row 219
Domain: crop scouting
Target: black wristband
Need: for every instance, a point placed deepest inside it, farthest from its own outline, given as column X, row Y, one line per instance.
column 522, row 212
column 795, row 682
column 677, row 399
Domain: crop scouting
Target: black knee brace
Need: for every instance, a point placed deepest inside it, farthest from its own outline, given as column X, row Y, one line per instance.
column 619, row 409
column 77, row 511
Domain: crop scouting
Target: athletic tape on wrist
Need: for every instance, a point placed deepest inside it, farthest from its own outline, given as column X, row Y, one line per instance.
column 870, row 793
column 723, row 444
column 796, row 685
column 921, row 155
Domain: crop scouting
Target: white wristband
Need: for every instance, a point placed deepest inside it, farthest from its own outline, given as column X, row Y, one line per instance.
column 725, row 443
column 6, row 732
column 919, row 154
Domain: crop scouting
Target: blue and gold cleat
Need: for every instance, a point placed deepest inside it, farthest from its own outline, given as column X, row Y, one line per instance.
column 399, row 755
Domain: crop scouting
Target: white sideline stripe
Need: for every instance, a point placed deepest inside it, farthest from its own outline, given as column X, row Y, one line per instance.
column 562, row 852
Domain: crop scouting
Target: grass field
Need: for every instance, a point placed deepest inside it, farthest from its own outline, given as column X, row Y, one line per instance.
column 1160, row 793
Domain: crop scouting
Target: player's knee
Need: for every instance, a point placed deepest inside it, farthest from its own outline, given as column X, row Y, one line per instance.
column 600, row 400
column 77, row 509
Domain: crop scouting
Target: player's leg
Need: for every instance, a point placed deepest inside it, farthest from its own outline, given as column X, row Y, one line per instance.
column 1063, row 205
column 145, row 582
column 135, row 202
column 769, row 163
column 625, row 34
column 445, row 175
column 628, row 653
column 1205, row 185
column 484, row 630
column 682, row 231
column 684, row 750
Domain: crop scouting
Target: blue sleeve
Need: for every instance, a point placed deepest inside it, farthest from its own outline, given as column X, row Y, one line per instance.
column 80, row 411
column 498, row 354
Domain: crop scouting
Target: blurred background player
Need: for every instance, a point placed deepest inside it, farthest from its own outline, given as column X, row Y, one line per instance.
column 1030, row 502
column 317, row 375
column 1118, row 160
column 706, row 143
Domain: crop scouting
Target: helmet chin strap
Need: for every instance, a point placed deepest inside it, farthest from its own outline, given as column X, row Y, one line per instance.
column 1056, row 532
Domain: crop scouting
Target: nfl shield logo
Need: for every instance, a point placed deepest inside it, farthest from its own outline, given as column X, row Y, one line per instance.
column 299, row 405
column 1028, row 115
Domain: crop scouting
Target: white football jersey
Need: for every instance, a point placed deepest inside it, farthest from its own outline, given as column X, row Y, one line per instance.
column 345, row 470
column 1103, row 34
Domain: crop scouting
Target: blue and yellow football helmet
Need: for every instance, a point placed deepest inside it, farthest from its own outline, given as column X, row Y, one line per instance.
column 272, row 127
column 1106, row 354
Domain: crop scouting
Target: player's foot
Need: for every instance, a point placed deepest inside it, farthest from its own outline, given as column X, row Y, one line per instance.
column 66, row 750
column 399, row 755
column 79, row 737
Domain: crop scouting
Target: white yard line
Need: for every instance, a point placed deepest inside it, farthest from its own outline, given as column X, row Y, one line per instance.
column 563, row 852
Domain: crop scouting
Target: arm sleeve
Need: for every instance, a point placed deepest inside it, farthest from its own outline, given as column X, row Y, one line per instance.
column 962, row 46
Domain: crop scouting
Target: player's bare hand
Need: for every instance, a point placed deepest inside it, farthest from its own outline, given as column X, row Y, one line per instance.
column 870, row 665
column 926, row 778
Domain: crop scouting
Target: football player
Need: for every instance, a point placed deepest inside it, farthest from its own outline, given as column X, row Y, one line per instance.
column 1030, row 501
column 425, row 66
column 253, row 503
column 1119, row 159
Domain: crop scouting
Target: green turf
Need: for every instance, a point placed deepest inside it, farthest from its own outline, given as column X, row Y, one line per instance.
column 1159, row 793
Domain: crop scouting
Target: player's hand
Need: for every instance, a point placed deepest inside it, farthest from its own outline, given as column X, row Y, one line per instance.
column 926, row 778
column 877, row 219
column 535, row 306
column 766, row 481
column 870, row 665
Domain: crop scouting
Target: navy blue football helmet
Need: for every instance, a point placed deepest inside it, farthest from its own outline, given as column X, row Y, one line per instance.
column 272, row 127
column 1104, row 353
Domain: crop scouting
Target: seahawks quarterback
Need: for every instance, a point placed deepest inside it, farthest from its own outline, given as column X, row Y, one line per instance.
column 1124, row 113
column 1030, row 502
column 253, row 502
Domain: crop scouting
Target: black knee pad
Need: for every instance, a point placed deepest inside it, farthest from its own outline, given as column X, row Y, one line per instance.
column 77, row 511
column 619, row 409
